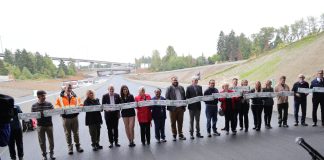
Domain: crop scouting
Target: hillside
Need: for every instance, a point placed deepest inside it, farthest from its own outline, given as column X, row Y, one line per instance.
column 305, row 56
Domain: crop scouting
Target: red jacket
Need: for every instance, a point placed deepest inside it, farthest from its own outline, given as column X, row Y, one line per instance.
column 223, row 101
column 144, row 114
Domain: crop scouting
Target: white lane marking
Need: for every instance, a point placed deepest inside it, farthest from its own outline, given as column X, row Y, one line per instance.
column 53, row 94
column 36, row 98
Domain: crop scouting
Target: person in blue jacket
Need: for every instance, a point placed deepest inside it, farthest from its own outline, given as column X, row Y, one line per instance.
column 159, row 116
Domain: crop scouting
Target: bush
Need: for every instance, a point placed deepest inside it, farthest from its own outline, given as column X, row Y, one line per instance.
column 26, row 73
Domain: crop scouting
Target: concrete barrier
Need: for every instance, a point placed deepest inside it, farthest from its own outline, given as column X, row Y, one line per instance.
column 4, row 78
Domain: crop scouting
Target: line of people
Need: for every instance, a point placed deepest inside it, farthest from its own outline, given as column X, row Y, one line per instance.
column 234, row 109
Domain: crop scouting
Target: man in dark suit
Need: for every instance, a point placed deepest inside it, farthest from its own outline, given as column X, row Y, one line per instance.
column 300, row 99
column 194, row 90
column 176, row 92
column 318, row 98
column 112, row 117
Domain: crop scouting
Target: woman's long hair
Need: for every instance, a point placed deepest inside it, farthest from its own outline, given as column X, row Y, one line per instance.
column 122, row 93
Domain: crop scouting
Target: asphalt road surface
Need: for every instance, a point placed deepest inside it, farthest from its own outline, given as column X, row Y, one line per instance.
column 277, row 143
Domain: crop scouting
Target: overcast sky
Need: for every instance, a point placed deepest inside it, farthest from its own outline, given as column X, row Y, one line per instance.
column 121, row 30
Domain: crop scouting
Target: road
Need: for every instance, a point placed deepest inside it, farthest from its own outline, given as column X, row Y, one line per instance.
column 277, row 143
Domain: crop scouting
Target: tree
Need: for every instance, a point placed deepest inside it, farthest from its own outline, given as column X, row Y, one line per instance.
column 156, row 61
column 60, row 73
column 26, row 59
column 221, row 46
column 245, row 46
column 294, row 32
column 277, row 41
column 302, row 28
column 9, row 57
column 3, row 69
column 71, row 68
column 201, row 60
column 312, row 25
column 266, row 35
column 49, row 67
column 26, row 74
column 63, row 67
column 214, row 58
column 284, row 33
column 39, row 63
column 322, row 21
column 231, row 46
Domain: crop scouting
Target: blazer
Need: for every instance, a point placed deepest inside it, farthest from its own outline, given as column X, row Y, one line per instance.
column 190, row 93
column 316, row 83
column 106, row 100
column 171, row 95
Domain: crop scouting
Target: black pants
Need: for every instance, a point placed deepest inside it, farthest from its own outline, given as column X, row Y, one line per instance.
column 282, row 117
column 316, row 102
column 244, row 114
column 16, row 139
column 230, row 116
column 257, row 115
column 112, row 125
column 159, row 128
column 301, row 103
column 145, row 132
column 267, row 114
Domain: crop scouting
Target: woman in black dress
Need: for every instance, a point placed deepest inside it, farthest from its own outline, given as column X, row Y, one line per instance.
column 128, row 114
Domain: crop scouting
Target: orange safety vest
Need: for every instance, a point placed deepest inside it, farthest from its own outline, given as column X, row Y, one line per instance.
column 74, row 101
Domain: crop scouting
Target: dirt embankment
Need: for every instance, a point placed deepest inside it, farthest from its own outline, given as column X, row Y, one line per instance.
column 184, row 75
column 20, row 88
column 305, row 56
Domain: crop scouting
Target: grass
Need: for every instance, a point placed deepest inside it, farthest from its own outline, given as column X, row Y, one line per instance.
column 262, row 71
column 222, row 71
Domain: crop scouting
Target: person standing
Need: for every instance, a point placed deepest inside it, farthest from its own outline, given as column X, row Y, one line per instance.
column 159, row 116
column 211, row 109
column 128, row 114
column 194, row 90
column 228, row 107
column 16, row 136
column 69, row 99
column 93, row 120
column 6, row 114
column 112, row 117
column 257, row 107
column 144, row 116
column 300, row 99
column 282, row 102
column 268, row 105
column 244, row 109
column 237, row 107
column 176, row 92
column 318, row 98
column 44, row 124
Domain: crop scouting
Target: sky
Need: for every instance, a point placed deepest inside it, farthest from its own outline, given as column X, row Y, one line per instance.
column 122, row 30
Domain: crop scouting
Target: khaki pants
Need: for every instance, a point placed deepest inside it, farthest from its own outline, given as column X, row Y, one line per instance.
column 48, row 130
column 176, row 118
column 71, row 125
